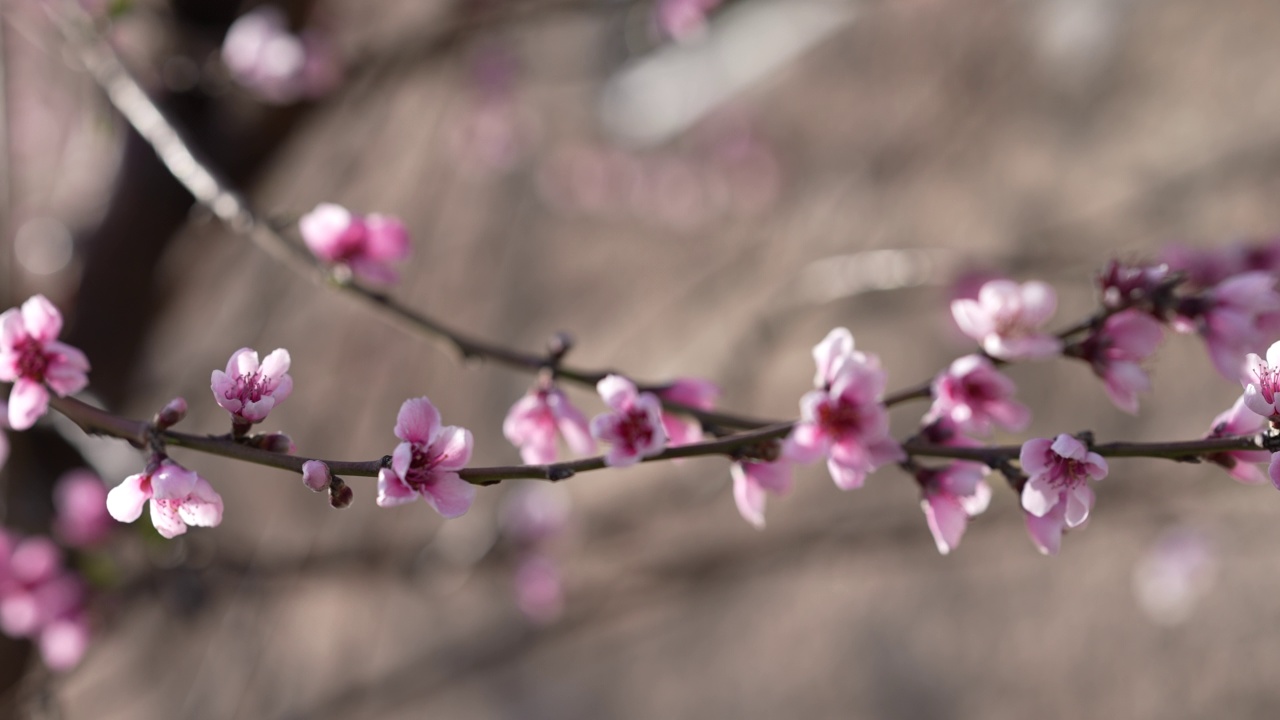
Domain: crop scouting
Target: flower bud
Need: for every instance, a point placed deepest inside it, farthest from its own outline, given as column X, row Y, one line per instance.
column 340, row 495
column 171, row 414
column 316, row 475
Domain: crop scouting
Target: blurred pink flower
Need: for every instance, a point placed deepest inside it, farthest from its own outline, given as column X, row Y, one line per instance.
column 1006, row 319
column 844, row 419
column 539, row 589
column 1123, row 284
column 179, row 497
column 532, row 424
column 633, row 427
column 752, row 480
column 1233, row 318
column 32, row 358
column 364, row 244
column 952, row 495
column 42, row 600
column 1116, row 353
column 1241, row 464
column 249, row 390
column 695, row 393
column 1058, row 472
column 80, row 501
column 973, row 394
column 277, row 66
column 684, row 20
column 426, row 464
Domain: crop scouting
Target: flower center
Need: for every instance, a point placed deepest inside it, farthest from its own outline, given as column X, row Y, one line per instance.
column 840, row 418
column 420, row 465
column 635, row 430
column 32, row 359
column 1268, row 382
column 1067, row 473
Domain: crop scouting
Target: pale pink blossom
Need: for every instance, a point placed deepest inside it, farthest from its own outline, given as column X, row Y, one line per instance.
column 695, row 393
column 1262, row 383
column 80, row 503
column 844, row 419
column 273, row 63
column 833, row 353
column 38, row 589
column 32, row 358
column 64, row 641
column 249, row 389
column 753, row 481
column 1233, row 318
column 973, row 394
column 426, row 464
column 1058, row 472
column 1007, row 317
column 179, row 497
column 1241, row 464
column 1116, row 353
column 535, row 419
column 539, row 588
column 367, row 245
column 633, row 426
column 951, row 496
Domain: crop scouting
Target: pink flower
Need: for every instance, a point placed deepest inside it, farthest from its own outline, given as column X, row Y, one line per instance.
column 973, row 395
column 178, row 498
column 31, row 358
column 426, row 464
column 64, row 641
column 1231, row 317
column 1006, row 319
column 365, row 244
column 1241, row 464
column 42, row 600
column 1260, row 390
column 534, row 420
column 1124, row 285
column 80, row 499
column 1116, row 353
column 274, row 64
column 752, row 480
column 1059, row 470
column 695, row 393
column 844, row 419
column 249, row 390
column 539, row 589
column 952, row 495
column 634, row 427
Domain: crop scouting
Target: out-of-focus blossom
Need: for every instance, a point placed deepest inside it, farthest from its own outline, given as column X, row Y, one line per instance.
column 1233, row 318
column 1173, row 575
column 951, row 496
column 535, row 419
column 973, row 394
column 35, row 362
column 753, row 481
column 1123, row 285
column 634, row 425
column 42, row 600
column 249, row 389
column 426, row 464
column 4, row 438
column 274, row 64
column 684, row 20
column 1057, row 490
column 1206, row 267
column 80, row 503
column 1241, row 464
column 695, row 393
column 539, row 589
column 367, row 245
column 179, row 497
column 534, row 513
column 1116, row 353
column 1007, row 317
column 844, row 419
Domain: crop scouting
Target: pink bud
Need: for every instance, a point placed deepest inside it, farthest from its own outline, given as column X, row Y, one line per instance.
column 316, row 475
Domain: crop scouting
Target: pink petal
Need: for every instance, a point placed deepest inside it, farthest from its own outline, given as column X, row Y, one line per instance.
column 12, row 331
column 618, row 392
column 1123, row 381
column 275, row 365
column 1273, row 356
column 1039, row 497
column 316, row 475
column 621, row 456
column 243, row 362
column 1046, row 532
column 257, row 411
column 42, row 320
column 1247, row 472
column 224, row 391
column 1038, row 302
column 979, row 501
column 1273, row 470
column 64, row 642
column 806, row 443
column 1030, row 347
column 28, row 401
column 449, row 495
column 393, row 491
column 829, row 354
column 203, row 508
column 401, row 458
column 694, row 392
column 451, row 449
column 946, row 519
column 774, row 477
column 749, row 497
column 1254, row 401
column 681, row 431
column 164, row 516
column 125, row 500
column 418, row 421
column 1079, row 502
column 844, row 476
column 1035, row 456
column 388, row 238
column 173, row 482
column 1069, row 447
column 573, row 426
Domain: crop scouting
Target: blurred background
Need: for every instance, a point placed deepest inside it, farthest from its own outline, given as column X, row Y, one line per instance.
column 690, row 188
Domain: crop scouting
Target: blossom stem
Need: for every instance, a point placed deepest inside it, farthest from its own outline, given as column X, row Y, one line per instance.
column 1186, row 451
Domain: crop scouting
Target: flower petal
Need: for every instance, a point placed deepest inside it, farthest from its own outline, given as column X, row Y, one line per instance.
column 393, row 491
column 125, row 501
column 418, row 421
column 748, row 496
column 449, row 495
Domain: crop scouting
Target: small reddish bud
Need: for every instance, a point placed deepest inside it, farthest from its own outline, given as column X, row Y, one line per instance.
column 340, row 495
column 171, row 414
